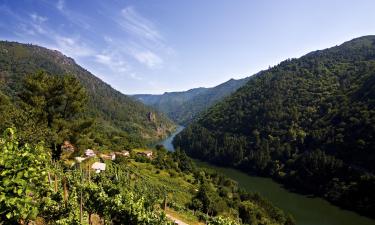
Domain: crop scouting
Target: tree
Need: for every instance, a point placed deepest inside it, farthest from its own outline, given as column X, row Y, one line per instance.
column 55, row 102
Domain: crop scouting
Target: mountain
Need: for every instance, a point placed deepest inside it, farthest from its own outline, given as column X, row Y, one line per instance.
column 182, row 107
column 115, row 113
column 307, row 122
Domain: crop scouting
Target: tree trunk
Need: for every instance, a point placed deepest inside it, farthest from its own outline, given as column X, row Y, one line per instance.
column 49, row 179
column 81, row 209
column 55, row 183
column 65, row 192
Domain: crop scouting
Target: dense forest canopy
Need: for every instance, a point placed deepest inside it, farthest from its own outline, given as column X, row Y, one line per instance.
column 183, row 107
column 308, row 122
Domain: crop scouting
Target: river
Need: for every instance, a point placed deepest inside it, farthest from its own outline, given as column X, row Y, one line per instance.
column 306, row 210
column 168, row 141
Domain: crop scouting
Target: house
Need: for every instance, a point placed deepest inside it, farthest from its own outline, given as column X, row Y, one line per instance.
column 90, row 153
column 98, row 167
column 80, row 159
column 111, row 156
column 123, row 153
column 148, row 154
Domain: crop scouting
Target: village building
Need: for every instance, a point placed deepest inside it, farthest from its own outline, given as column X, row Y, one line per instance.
column 98, row 167
column 90, row 153
column 123, row 153
column 148, row 154
column 111, row 156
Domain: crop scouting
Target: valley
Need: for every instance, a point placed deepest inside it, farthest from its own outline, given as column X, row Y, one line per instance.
column 183, row 107
column 193, row 112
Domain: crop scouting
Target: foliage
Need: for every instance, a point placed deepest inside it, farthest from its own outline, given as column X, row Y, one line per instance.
column 56, row 102
column 221, row 221
column 307, row 122
column 23, row 179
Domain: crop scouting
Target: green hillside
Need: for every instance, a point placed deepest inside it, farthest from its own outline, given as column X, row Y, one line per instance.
column 183, row 107
column 307, row 122
column 116, row 115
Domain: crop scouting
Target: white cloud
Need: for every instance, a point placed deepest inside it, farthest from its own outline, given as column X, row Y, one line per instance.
column 36, row 24
column 60, row 5
column 145, row 42
column 138, row 25
column 149, row 59
column 116, row 63
column 72, row 46
column 38, row 19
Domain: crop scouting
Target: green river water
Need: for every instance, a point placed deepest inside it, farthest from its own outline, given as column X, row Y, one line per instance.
column 306, row 210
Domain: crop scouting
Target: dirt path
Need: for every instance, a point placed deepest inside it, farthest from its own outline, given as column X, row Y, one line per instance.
column 176, row 221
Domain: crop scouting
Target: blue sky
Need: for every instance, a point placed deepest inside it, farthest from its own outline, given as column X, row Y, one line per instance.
column 153, row 46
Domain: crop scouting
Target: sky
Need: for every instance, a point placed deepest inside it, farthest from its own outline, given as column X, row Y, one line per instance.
column 155, row 46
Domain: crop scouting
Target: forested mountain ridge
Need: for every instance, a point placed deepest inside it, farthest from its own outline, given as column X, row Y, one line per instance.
column 182, row 107
column 114, row 112
column 52, row 111
column 308, row 122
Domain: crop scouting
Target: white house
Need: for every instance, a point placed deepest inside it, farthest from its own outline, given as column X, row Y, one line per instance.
column 97, row 166
column 90, row 153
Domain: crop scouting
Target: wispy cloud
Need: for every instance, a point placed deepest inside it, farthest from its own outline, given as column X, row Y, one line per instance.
column 36, row 24
column 148, row 58
column 116, row 64
column 145, row 42
column 138, row 25
column 72, row 46
column 128, row 50
column 60, row 5
column 35, row 27
column 38, row 19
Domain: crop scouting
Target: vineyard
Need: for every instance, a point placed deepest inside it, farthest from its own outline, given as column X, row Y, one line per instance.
column 37, row 190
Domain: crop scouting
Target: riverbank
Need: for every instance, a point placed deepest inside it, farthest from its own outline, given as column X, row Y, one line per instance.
column 306, row 210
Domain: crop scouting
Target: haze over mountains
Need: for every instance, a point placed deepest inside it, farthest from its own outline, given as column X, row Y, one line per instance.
column 183, row 107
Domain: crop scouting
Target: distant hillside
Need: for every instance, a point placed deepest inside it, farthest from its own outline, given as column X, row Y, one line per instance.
column 114, row 111
column 309, row 122
column 182, row 107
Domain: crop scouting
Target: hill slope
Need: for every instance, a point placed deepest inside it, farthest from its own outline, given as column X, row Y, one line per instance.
column 308, row 122
column 114, row 111
column 182, row 107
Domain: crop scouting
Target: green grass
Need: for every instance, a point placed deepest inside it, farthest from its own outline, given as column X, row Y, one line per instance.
column 181, row 190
